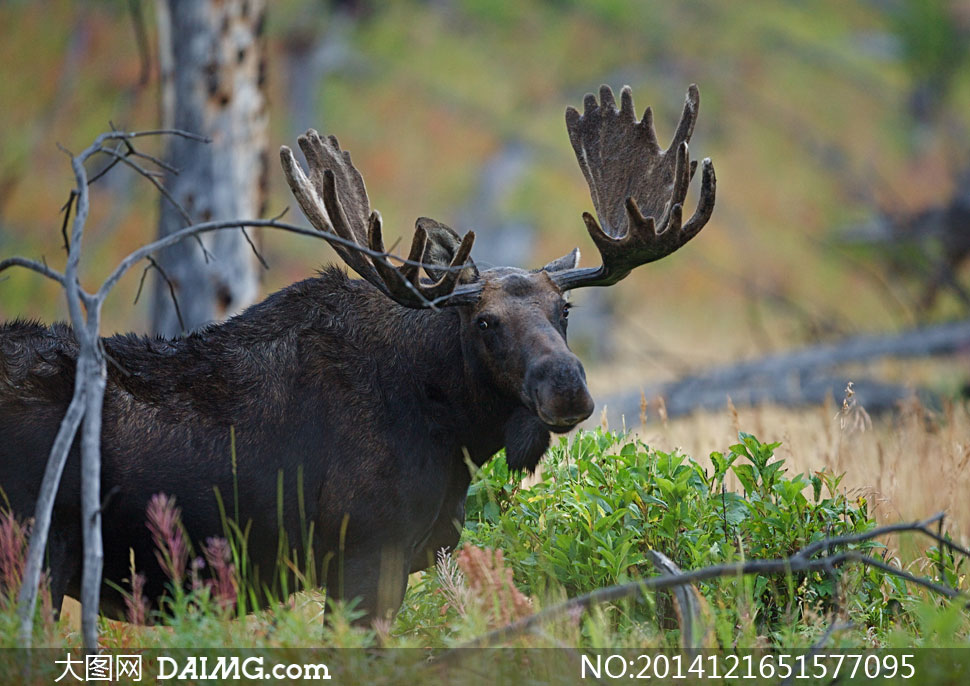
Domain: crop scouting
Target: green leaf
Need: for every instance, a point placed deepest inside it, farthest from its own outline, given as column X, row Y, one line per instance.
column 747, row 476
column 491, row 512
column 666, row 487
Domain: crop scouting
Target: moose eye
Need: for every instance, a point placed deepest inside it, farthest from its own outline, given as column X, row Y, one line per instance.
column 565, row 311
column 482, row 323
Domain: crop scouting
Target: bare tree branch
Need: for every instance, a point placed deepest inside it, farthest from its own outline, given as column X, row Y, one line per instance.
column 151, row 158
column 88, row 361
column 129, row 135
column 133, row 258
column 33, row 266
column 84, row 410
column 153, row 178
column 829, row 544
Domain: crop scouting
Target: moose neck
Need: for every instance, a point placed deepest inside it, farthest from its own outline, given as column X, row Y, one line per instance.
column 456, row 393
column 412, row 362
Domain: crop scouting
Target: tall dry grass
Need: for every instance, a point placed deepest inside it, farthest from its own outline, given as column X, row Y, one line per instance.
column 908, row 465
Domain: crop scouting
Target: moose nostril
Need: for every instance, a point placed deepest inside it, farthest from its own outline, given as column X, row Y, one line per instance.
column 558, row 388
column 585, row 408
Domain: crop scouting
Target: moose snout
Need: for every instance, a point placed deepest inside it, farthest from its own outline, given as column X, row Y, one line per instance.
column 557, row 385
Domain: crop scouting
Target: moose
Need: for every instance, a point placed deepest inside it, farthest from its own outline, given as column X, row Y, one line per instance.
column 354, row 405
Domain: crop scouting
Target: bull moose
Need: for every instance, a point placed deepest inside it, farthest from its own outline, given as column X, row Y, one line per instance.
column 370, row 395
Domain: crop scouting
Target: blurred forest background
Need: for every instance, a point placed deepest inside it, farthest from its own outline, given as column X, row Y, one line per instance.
column 839, row 132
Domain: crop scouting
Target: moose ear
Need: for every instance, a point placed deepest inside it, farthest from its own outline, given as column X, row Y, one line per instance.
column 440, row 249
column 569, row 261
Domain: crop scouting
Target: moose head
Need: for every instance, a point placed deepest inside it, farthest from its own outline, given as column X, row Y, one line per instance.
column 514, row 321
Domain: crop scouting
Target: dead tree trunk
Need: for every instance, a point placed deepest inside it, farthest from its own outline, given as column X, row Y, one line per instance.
column 212, row 65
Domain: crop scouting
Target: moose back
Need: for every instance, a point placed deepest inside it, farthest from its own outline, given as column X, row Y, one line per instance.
column 355, row 404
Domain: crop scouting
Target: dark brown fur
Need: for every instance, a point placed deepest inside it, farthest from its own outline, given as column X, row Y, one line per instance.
column 373, row 404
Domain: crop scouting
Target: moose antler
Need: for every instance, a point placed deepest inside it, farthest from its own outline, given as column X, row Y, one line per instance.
column 638, row 189
column 335, row 201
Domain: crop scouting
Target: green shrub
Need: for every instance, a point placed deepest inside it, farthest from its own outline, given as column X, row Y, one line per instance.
column 603, row 501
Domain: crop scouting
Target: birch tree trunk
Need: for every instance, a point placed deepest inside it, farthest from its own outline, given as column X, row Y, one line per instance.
column 212, row 64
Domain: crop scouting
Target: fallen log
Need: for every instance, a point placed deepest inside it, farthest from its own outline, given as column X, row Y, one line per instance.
column 801, row 377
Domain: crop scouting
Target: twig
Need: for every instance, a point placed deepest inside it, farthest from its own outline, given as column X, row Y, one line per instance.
column 115, row 363
column 151, row 158
column 253, row 246
column 945, row 591
column 171, row 288
column 108, row 167
column 939, row 533
column 167, row 132
column 131, row 150
column 141, row 283
column 66, row 209
column 115, row 490
column 152, row 178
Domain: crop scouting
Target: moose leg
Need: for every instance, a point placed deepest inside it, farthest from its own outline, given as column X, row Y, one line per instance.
column 378, row 579
column 64, row 566
column 444, row 534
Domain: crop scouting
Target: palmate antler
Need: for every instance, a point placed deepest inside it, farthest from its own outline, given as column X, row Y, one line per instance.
column 335, row 201
column 638, row 189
